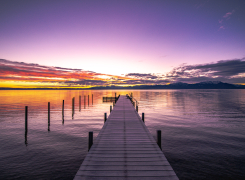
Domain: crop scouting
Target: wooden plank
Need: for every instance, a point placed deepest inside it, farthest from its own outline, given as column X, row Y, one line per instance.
column 125, row 149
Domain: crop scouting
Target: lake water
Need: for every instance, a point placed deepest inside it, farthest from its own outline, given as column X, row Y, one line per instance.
column 203, row 131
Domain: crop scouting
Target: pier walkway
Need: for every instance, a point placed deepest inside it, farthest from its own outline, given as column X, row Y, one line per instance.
column 125, row 149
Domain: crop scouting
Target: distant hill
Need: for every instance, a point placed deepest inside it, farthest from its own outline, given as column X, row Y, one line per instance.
column 178, row 85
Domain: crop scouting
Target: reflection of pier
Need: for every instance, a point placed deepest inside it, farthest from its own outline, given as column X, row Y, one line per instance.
column 125, row 149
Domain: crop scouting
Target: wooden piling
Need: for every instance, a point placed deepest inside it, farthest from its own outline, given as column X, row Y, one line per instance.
column 113, row 104
column 143, row 117
column 90, row 139
column 48, row 113
column 137, row 108
column 159, row 138
column 88, row 100
column 26, row 119
column 110, row 108
column 84, row 102
column 79, row 103
column 73, row 106
column 105, row 117
column 48, row 116
column 92, row 99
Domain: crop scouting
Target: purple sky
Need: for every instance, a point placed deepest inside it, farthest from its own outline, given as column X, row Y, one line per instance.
column 120, row 37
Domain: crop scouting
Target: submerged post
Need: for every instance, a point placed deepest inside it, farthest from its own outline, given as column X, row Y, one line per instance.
column 159, row 138
column 137, row 108
column 48, row 113
column 105, row 117
column 26, row 119
column 110, row 108
column 113, row 104
column 79, row 103
column 84, row 101
column 63, row 108
column 73, row 104
column 143, row 117
column 48, row 116
column 90, row 139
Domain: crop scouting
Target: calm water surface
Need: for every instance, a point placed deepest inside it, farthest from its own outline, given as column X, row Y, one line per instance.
column 203, row 131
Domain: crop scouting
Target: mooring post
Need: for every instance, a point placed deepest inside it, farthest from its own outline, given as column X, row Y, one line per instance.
column 159, row 138
column 113, row 104
column 105, row 117
column 143, row 117
column 48, row 113
column 73, row 104
column 26, row 119
column 79, row 103
column 90, row 139
column 137, row 108
column 84, row 101
column 88, row 100
column 63, row 109
column 110, row 108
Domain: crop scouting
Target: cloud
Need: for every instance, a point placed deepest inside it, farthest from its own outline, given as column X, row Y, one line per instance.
column 224, row 18
column 232, row 71
column 139, row 75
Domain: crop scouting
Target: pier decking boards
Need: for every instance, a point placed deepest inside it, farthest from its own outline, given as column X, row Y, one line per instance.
column 125, row 149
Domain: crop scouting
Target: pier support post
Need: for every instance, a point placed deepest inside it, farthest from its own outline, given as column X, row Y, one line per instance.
column 90, row 139
column 105, row 117
column 84, row 101
column 79, row 103
column 137, row 108
column 159, row 138
column 63, row 111
column 113, row 104
column 73, row 104
column 143, row 117
column 48, row 116
column 110, row 108
column 26, row 120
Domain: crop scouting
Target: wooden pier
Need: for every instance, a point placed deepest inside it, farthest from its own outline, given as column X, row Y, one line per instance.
column 125, row 149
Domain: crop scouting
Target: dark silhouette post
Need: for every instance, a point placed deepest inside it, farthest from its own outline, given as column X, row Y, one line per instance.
column 79, row 103
column 92, row 99
column 73, row 104
column 63, row 111
column 90, row 139
column 105, row 117
column 137, row 108
column 48, row 116
column 159, row 138
column 26, row 120
column 88, row 100
column 110, row 108
column 143, row 117
column 84, row 101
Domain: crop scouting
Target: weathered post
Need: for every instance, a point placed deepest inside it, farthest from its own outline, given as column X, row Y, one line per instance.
column 63, row 111
column 90, row 139
column 26, row 119
column 88, row 100
column 113, row 104
column 92, row 99
column 137, row 108
column 73, row 104
column 79, row 103
column 105, row 117
column 48, row 116
column 159, row 138
column 110, row 108
column 48, row 113
column 84, row 101
column 143, row 117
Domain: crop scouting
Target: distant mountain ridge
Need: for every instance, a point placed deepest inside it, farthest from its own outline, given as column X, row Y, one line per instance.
column 177, row 85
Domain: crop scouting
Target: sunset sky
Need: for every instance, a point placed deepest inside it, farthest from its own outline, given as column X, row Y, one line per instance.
column 83, row 43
